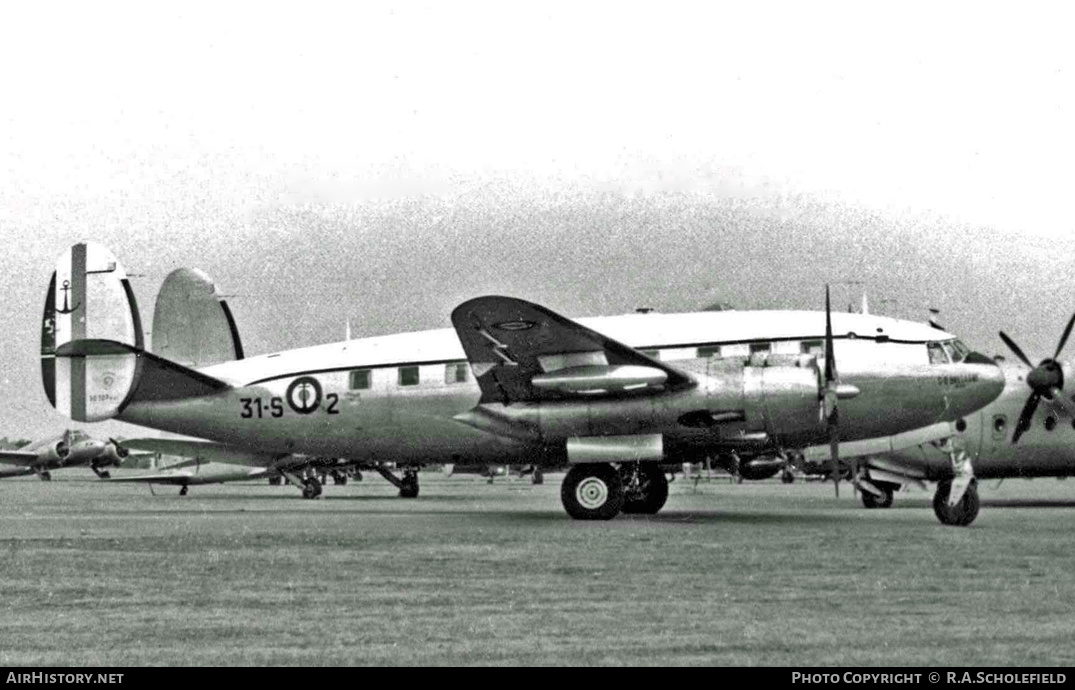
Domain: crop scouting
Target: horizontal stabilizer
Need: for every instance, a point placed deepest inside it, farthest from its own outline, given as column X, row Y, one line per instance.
column 520, row 351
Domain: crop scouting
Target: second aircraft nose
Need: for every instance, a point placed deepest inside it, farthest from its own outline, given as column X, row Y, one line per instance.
column 983, row 381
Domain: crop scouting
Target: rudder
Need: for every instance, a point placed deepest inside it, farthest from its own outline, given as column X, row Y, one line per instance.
column 89, row 309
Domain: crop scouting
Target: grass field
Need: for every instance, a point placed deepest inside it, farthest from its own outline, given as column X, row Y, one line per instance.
column 470, row 573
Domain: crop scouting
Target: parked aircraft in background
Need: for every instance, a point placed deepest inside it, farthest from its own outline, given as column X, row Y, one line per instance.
column 72, row 448
column 616, row 397
column 1028, row 431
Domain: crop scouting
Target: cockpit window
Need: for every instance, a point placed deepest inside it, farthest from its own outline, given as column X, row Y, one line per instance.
column 960, row 351
column 936, row 353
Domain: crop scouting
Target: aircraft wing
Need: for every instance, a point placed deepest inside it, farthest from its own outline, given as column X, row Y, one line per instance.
column 520, row 351
column 883, row 444
column 202, row 450
column 16, row 457
column 172, row 477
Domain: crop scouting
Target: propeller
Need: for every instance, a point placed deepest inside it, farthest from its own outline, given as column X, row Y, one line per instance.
column 828, row 408
column 1045, row 380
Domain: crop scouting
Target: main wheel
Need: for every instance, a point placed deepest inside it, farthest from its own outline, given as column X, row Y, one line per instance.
column 645, row 488
column 275, row 481
column 592, row 492
column 962, row 513
column 409, row 487
column 312, row 488
column 46, row 477
column 871, row 501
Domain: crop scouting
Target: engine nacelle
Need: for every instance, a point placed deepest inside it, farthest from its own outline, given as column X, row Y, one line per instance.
column 58, row 451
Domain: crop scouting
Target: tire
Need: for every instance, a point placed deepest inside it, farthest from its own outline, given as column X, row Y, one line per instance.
column 592, row 492
column 961, row 514
column 871, row 501
column 311, row 489
column 650, row 493
column 409, row 487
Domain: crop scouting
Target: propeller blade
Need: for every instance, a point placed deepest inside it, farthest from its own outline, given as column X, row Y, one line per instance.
column 830, row 356
column 1025, row 416
column 1015, row 348
column 834, row 449
column 1064, row 338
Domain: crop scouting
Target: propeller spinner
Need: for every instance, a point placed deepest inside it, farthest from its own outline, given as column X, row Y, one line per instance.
column 1045, row 380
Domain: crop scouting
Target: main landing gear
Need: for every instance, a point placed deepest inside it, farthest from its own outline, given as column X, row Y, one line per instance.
column 883, row 501
column 407, row 485
column 599, row 491
column 101, row 473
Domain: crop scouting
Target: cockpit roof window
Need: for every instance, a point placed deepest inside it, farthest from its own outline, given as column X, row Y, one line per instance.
column 937, row 354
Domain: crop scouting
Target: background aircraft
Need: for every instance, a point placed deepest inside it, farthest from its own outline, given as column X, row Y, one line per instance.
column 1028, row 431
column 513, row 382
column 72, row 448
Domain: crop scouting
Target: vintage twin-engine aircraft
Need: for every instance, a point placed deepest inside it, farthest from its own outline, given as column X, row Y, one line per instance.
column 1016, row 435
column 514, row 383
column 72, row 448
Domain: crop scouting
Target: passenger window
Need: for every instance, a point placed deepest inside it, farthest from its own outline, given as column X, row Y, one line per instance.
column 360, row 379
column 759, row 347
column 812, row 347
column 456, row 372
column 936, row 353
column 709, row 351
column 1000, row 426
column 408, row 376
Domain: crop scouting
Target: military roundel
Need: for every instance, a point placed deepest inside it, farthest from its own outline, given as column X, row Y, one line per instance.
column 304, row 394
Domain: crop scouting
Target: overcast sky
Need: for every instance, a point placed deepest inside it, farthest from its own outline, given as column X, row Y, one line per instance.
column 383, row 163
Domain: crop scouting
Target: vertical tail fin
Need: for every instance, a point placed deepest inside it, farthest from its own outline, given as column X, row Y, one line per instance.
column 90, row 324
column 192, row 324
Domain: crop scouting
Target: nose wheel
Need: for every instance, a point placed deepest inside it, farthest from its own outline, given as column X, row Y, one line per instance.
column 963, row 512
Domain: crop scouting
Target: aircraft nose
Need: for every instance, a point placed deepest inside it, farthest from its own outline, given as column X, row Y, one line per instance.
column 987, row 383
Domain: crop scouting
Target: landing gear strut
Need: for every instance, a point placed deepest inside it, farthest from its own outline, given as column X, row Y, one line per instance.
column 103, row 474
column 645, row 488
column 183, row 490
column 538, row 477
column 962, row 486
column 45, row 476
column 592, row 491
column 408, row 485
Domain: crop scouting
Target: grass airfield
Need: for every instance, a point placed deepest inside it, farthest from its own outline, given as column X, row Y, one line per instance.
column 472, row 573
